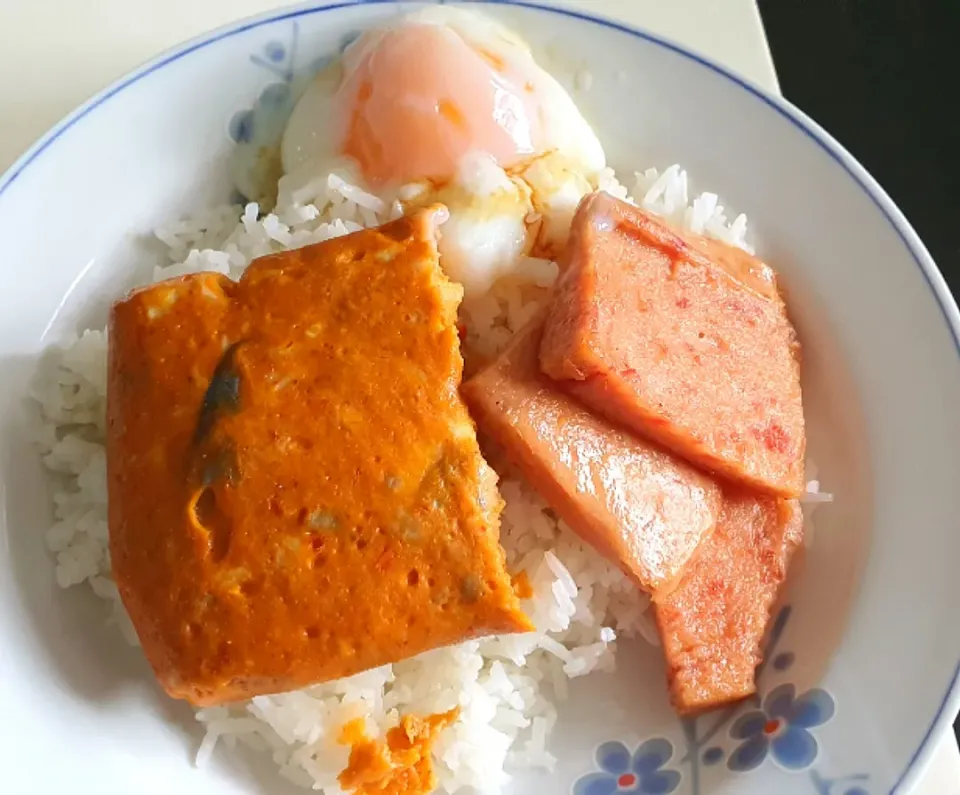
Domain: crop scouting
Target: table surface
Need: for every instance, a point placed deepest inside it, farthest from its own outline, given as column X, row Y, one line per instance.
column 85, row 46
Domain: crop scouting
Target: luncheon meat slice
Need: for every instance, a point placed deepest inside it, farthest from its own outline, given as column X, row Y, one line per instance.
column 296, row 492
column 638, row 505
column 684, row 339
column 713, row 624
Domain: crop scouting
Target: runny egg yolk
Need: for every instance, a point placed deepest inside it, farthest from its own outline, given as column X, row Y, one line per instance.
column 417, row 98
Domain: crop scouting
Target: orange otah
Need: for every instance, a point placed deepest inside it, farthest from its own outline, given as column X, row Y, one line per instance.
column 296, row 492
column 399, row 765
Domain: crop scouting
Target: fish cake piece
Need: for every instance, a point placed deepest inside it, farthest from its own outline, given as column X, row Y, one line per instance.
column 712, row 626
column 684, row 339
column 640, row 506
column 296, row 492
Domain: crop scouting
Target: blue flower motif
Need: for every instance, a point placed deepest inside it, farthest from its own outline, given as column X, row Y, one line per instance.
column 275, row 95
column 275, row 51
column 241, row 126
column 712, row 755
column 278, row 58
column 781, row 727
column 783, row 661
column 641, row 773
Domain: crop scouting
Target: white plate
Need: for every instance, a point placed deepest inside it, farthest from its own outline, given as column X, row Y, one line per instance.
column 870, row 628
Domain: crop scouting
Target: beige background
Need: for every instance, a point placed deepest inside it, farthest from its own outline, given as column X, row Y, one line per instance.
column 54, row 54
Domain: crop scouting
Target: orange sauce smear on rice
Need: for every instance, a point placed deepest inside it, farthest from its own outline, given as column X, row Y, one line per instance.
column 401, row 765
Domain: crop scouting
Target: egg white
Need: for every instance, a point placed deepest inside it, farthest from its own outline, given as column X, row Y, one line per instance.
column 498, row 216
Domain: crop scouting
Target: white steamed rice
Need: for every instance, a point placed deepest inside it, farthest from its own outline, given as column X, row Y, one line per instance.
column 506, row 687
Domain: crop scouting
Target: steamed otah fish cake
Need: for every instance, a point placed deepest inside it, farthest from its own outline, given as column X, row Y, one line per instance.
column 712, row 626
column 684, row 339
column 296, row 493
column 641, row 507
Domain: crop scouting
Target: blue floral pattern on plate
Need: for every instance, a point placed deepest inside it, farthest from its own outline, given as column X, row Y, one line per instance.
column 781, row 726
column 257, row 130
column 280, row 60
column 778, row 726
column 642, row 773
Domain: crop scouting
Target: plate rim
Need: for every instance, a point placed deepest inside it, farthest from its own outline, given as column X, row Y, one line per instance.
column 950, row 703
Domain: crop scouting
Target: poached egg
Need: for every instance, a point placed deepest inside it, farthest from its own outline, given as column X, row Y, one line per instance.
column 449, row 105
